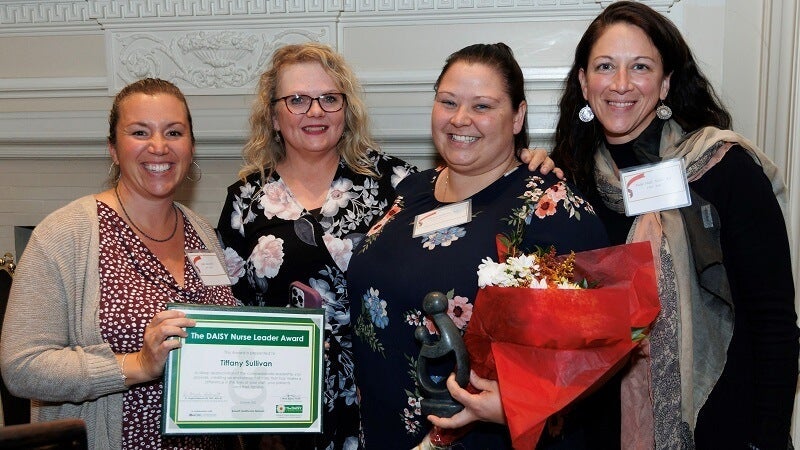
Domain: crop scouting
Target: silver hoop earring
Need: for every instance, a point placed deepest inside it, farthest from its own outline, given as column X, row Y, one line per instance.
column 112, row 175
column 277, row 137
column 586, row 114
column 663, row 111
column 198, row 171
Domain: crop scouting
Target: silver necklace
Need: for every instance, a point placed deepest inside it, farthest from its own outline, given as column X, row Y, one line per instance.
column 174, row 227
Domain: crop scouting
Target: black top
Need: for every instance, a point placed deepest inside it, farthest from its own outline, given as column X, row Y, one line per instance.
column 271, row 241
column 392, row 270
column 753, row 400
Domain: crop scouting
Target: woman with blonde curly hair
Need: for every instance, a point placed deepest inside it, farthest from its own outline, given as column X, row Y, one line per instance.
column 312, row 183
column 264, row 148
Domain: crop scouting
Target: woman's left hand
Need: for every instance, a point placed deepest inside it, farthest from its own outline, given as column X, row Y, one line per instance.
column 485, row 405
column 537, row 158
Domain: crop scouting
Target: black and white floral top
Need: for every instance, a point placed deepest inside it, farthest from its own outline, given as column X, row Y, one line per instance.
column 271, row 241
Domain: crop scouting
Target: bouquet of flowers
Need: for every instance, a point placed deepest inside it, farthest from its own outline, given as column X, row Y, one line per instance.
column 548, row 336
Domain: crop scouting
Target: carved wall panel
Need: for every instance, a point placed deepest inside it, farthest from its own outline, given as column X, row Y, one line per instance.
column 212, row 61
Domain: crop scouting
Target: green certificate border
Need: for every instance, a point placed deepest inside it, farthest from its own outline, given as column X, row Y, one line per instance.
column 263, row 323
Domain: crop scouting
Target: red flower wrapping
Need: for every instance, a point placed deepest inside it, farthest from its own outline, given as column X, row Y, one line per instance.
column 547, row 347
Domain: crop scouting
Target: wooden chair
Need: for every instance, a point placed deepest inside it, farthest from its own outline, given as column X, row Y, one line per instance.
column 63, row 434
column 13, row 410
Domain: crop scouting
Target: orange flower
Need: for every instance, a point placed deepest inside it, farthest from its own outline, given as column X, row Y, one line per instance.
column 545, row 207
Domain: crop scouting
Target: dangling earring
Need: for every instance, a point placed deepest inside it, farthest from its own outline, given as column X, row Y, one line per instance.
column 199, row 172
column 111, row 174
column 663, row 111
column 277, row 137
column 586, row 114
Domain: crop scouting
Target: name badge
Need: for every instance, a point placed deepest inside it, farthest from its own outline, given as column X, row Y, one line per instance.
column 441, row 218
column 208, row 267
column 655, row 187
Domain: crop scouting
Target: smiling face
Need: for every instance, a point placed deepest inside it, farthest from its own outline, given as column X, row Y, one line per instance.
column 473, row 122
column 316, row 130
column 153, row 145
column 624, row 81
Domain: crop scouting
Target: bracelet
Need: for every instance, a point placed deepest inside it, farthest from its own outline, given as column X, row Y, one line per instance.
column 124, row 377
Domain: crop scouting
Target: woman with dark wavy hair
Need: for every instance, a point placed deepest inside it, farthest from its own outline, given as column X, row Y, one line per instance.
column 723, row 352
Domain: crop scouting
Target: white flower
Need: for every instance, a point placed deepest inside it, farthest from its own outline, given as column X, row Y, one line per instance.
column 340, row 249
column 491, row 273
column 234, row 265
column 399, row 172
column 538, row 284
column 529, row 270
column 340, row 195
column 237, row 221
column 277, row 201
column 247, row 190
column 267, row 256
column 523, row 264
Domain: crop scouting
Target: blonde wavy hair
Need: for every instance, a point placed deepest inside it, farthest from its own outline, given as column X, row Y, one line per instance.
column 262, row 153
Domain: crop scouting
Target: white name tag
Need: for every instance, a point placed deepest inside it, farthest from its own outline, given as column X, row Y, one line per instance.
column 655, row 187
column 441, row 218
column 208, row 267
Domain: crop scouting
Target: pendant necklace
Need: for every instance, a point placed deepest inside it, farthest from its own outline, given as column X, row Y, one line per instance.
column 174, row 227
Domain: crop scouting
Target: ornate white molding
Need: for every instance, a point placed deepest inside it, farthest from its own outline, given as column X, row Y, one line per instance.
column 45, row 17
column 17, row 16
column 224, row 9
column 213, row 61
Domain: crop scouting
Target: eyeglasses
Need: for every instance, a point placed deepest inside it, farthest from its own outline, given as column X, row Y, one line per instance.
column 301, row 104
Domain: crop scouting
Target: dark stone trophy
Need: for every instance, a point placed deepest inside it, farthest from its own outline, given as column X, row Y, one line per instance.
column 436, row 398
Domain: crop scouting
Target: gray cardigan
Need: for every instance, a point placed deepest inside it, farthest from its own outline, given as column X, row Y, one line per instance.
column 51, row 348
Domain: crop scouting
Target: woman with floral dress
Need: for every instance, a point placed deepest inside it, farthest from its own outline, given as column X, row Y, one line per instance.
column 313, row 184
column 479, row 128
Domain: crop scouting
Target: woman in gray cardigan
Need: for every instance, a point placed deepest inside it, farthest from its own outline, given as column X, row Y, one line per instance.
column 86, row 333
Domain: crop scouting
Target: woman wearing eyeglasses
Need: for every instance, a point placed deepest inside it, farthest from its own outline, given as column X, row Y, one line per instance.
column 311, row 185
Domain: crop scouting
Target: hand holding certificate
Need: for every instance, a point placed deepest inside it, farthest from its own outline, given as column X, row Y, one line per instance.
column 245, row 370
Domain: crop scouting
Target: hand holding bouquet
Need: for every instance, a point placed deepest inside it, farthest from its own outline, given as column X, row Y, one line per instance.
column 547, row 338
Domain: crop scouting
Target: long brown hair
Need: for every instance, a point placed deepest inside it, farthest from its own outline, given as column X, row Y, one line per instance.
column 692, row 98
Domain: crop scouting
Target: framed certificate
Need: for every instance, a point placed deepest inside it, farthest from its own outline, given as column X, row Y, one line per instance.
column 245, row 370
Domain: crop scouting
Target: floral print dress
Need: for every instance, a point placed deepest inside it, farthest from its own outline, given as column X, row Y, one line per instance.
column 392, row 271
column 271, row 241
column 134, row 287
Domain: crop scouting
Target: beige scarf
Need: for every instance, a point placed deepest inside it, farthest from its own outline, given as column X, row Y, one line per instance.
column 674, row 371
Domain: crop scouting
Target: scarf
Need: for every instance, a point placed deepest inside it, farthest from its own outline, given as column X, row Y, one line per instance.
column 673, row 372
